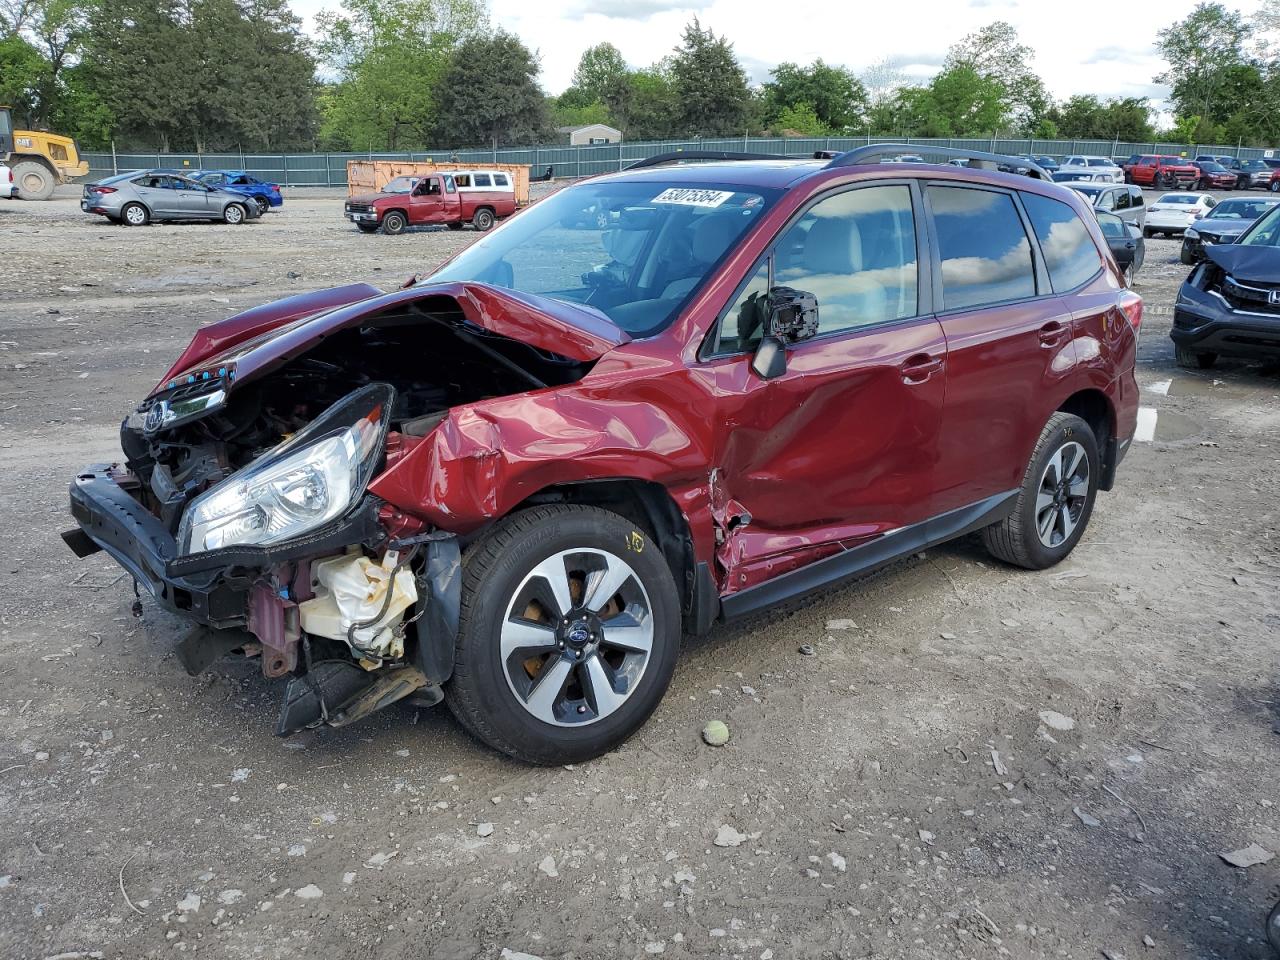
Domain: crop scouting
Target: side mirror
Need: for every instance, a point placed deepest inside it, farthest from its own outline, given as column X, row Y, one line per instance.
column 793, row 314
column 770, row 360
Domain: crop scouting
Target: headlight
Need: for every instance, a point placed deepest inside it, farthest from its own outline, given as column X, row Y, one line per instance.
column 1191, row 233
column 177, row 408
column 300, row 485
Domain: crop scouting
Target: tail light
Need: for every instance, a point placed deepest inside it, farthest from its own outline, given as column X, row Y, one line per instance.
column 273, row 186
column 9, row 174
column 104, row 189
column 1131, row 306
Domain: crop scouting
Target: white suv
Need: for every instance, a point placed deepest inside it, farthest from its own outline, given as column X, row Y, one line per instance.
column 8, row 189
column 1090, row 168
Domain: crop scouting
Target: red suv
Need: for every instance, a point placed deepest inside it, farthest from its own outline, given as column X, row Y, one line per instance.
column 1162, row 172
column 517, row 483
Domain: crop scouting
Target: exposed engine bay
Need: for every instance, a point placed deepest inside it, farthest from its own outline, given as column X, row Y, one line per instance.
column 261, row 481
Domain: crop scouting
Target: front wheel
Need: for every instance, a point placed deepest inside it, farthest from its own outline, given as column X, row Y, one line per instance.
column 1056, row 499
column 394, row 222
column 1274, row 186
column 1193, row 359
column 568, row 634
column 483, row 220
column 233, row 214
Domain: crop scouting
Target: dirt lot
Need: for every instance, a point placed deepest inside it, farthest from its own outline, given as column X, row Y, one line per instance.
column 903, row 792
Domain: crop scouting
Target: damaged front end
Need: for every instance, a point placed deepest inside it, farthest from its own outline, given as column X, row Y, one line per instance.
column 243, row 502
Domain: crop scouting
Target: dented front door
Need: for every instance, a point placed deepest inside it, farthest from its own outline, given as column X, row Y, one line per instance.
column 841, row 447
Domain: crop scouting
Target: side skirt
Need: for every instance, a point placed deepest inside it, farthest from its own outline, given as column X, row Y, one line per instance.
column 869, row 556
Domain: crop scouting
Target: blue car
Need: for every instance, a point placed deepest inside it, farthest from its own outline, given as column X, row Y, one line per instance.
column 265, row 195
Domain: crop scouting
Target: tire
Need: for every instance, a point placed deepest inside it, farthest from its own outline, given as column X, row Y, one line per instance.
column 394, row 222
column 1020, row 538
column 1147, row 233
column 33, row 180
column 1186, row 258
column 456, row 225
column 496, row 698
column 134, row 215
column 367, row 227
column 1274, row 186
column 1128, row 178
column 234, row 213
column 1273, row 928
column 483, row 219
column 264, row 205
column 1193, row 359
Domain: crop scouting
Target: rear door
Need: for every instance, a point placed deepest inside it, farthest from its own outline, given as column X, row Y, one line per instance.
column 1009, row 341
column 156, row 191
column 841, row 447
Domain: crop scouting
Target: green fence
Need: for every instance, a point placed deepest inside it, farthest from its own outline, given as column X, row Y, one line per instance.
column 330, row 169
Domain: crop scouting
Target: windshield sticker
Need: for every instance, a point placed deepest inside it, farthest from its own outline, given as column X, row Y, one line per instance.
column 689, row 197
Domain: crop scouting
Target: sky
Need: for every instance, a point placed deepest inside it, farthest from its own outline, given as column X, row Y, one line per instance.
column 1079, row 48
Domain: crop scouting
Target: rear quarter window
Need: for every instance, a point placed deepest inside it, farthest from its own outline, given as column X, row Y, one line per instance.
column 1069, row 250
column 482, row 180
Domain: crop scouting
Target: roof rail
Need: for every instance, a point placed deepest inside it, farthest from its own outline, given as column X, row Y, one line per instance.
column 876, row 151
column 661, row 158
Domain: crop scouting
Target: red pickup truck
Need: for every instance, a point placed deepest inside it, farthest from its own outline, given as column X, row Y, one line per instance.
column 438, row 198
column 1162, row 172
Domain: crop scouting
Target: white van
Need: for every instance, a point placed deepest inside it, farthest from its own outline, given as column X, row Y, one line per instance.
column 483, row 181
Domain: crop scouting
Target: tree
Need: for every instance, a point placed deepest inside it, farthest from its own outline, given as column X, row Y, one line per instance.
column 599, row 67
column 968, row 103
column 1201, row 51
column 996, row 53
column 389, row 57
column 709, row 84
column 643, row 103
column 489, row 93
column 834, row 95
column 799, row 120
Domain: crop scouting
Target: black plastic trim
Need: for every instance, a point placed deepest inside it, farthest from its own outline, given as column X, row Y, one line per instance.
column 675, row 157
column 874, row 152
column 869, row 556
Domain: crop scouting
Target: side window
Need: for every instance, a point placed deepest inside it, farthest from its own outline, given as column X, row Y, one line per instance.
column 1135, row 197
column 854, row 251
column 500, row 180
column 463, row 179
column 1106, row 200
column 1069, row 251
column 215, row 180
column 1112, row 226
column 742, row 325
column 1122, row 198
column 448, row 184
column 984, row 250
column 483, row 180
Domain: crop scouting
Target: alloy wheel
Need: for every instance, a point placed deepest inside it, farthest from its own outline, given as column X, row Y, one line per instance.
column 577, row 637
column 1062, row 494
column 135, row 215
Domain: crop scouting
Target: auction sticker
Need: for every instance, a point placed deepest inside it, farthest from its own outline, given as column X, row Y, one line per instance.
column 690, row 197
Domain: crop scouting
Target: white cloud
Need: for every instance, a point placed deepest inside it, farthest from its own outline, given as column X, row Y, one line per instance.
column 1075, row 52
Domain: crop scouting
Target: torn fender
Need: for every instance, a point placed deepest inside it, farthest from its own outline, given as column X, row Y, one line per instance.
column 574, row 331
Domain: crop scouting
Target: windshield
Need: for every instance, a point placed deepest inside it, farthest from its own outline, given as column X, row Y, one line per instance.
column 1182, row 198
column 1088, row 189
column 400, row 185
column 1252, row 165
column 1209, row 166
column 1265, row 232
column 636, row 251
column 1240, row 209
column 1100, row 162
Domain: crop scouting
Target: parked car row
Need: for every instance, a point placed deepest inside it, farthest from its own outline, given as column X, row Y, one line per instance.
column 140, row 197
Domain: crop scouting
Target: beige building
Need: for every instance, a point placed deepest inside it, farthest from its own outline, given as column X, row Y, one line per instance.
column 592, row 133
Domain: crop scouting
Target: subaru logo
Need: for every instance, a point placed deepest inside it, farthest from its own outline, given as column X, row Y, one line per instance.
column 1273, row 297
column 155, row 418
column 579, row 633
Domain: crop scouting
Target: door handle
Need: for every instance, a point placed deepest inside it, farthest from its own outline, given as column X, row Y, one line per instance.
column 920, row 367
column 1053, row 332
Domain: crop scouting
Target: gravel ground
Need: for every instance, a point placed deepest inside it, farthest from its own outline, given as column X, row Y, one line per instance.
column 976, row 762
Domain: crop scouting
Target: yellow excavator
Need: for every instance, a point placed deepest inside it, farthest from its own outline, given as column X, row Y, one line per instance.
column 39, row 160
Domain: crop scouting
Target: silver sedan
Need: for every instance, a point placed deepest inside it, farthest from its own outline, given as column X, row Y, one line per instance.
column 137, row 198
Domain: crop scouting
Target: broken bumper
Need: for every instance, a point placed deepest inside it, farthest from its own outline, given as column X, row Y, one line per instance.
column 211, row 588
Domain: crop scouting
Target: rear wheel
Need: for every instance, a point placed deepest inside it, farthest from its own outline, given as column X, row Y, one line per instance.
column 1147, row 233
column 33, row 180
column 1193, row 359
column 233, row 213
column 134, row 215
column 394, row 222
column 483, row 220
column 568, row 634
column 1274, row 186
column 1056, row 500
column 263, row 205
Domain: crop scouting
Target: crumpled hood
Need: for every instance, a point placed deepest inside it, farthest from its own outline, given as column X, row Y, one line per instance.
column 1222, row 228
column 1259, row 264
column 259, row 340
